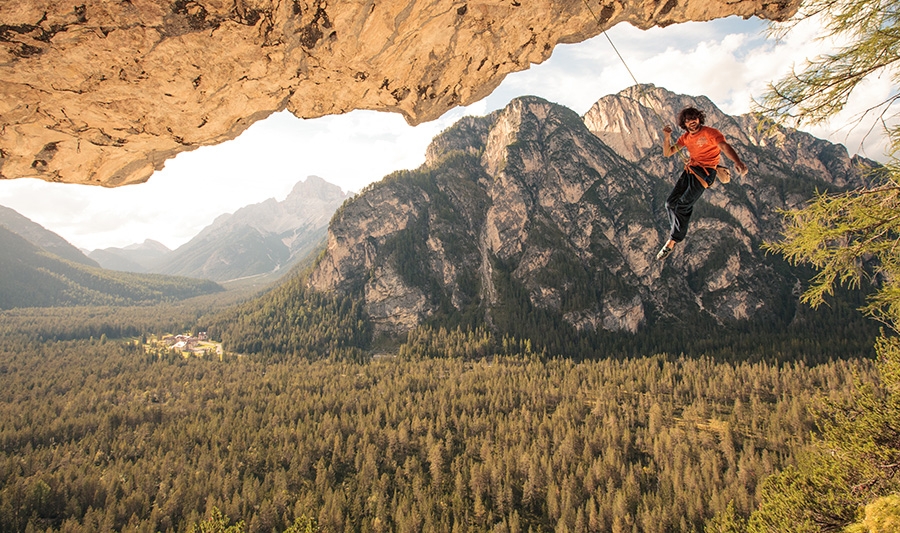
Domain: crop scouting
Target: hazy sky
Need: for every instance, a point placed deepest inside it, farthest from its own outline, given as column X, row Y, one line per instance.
column 728, row 60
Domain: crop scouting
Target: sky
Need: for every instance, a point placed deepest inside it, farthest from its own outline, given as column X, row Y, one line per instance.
column 729, row 60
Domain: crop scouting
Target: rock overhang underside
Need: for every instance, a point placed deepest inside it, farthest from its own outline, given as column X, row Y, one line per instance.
column 105, row 91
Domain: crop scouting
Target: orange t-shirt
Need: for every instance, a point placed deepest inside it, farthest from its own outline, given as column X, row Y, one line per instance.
column 703, row 146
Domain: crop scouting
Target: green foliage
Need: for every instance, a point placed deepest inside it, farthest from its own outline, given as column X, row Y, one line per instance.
column 101, row 437
column 303, row 524
column 517, row 317
column 34, row 278
column 406, row 250
column 881, row 516
column 855, row 461
column 429, row 342
column 71, row 323
column 216, row 523
column 870, row 29
column 727, row 521
column 850, row 237
column 291, row 321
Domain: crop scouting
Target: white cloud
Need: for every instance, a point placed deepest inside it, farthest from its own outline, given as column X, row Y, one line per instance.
column 728, row 60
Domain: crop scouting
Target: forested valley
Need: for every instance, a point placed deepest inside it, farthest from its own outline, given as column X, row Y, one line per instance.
column 453, row 431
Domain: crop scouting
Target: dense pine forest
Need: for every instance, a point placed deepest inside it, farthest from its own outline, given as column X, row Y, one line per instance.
column 453, row 431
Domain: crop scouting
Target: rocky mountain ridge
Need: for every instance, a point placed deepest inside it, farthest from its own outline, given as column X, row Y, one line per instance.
column 533, row 210
column 256, row 240
column 41, row 237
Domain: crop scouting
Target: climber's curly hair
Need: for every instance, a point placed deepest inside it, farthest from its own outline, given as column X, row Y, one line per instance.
column 689, row 113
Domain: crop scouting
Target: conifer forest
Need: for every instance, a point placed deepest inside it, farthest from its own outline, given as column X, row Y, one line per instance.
column 454, row 430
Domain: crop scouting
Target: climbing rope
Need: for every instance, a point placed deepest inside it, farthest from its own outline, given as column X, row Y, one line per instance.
column 684, row 157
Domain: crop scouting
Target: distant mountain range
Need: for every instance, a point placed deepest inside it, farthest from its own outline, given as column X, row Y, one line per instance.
column 133, row 258
column 39, row 268
column 32, row 276
column 263, row 239
column 42, row 237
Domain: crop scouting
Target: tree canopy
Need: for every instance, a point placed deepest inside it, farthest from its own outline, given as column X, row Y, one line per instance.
column 870, row 31
column 847, row 479
column 854, row 235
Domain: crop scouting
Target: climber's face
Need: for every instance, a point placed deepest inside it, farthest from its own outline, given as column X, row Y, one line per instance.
column 692, row 124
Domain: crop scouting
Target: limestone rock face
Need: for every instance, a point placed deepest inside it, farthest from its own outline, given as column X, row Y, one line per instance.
column 529, row 215
column 105, row 91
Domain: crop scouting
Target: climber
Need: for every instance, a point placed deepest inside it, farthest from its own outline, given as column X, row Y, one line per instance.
column 704, row 144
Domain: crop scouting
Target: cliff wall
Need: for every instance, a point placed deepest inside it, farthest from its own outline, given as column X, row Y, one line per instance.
column 105, row 91
column 533, row 210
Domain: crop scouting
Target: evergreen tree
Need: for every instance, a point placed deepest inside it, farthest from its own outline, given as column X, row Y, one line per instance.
column 871, row 31
column 847, row 475
column 216, row 523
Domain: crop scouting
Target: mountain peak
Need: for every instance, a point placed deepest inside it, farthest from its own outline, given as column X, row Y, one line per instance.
column 631, row 121
column 533, row 209
column 260, row 239
column 314, row 189
column 149, row 245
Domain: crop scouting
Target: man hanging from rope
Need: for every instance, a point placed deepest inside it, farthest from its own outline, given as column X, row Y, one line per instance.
column 704, row 144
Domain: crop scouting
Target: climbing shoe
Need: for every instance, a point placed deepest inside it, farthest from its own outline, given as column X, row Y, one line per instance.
column 663, row 252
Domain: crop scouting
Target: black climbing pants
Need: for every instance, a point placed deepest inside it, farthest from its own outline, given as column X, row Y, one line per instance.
column 680, row 204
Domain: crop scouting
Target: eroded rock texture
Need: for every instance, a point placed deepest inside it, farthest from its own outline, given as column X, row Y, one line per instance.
column 534, row 215
column 104, row 91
